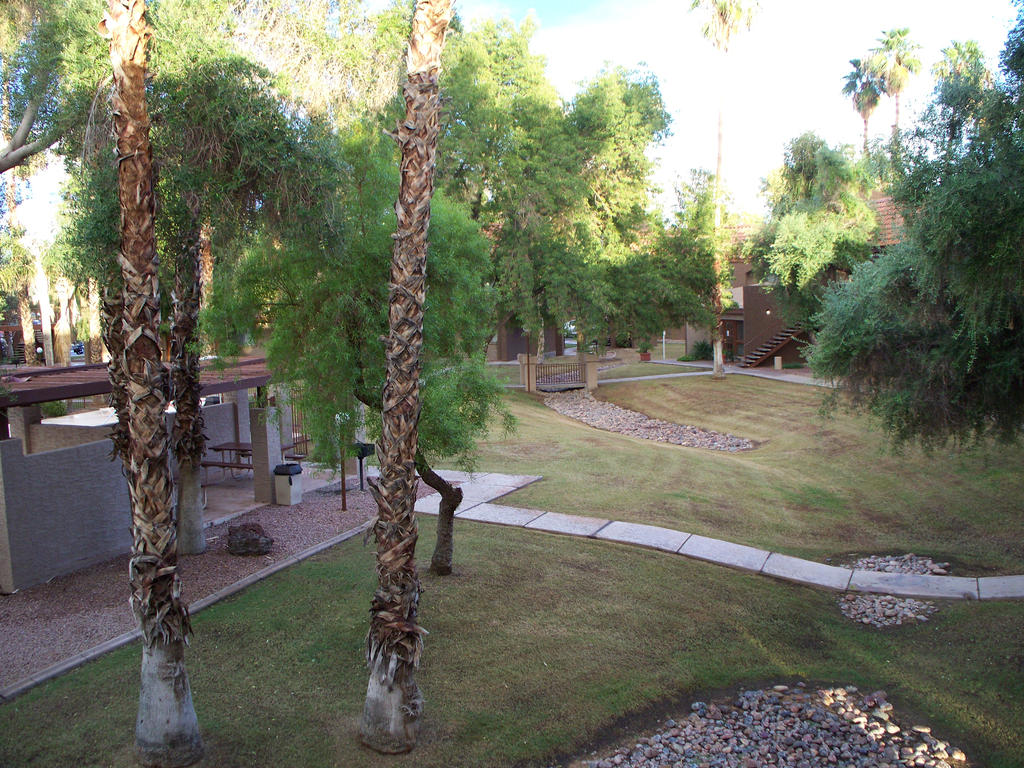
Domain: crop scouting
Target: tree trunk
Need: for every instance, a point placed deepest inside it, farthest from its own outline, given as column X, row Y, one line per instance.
column 393, row 705
column 62, row 330
column 451, row 497
column 112, row 325
column 94, row 344
column 45, row 311
column 188, row 440
column 718, row 364
column 865, row 137
column 28, row 331
column 896, row 125
column 166, row 731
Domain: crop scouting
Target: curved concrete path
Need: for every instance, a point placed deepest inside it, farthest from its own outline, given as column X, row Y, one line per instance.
column 481, row 489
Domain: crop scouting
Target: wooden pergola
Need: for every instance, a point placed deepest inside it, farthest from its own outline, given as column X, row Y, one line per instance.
column 31, row 386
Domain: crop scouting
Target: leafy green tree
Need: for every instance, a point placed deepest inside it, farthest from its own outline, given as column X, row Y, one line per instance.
column 507, row 152
column 821, row 225
column 864, row 86
column 895, row 59
column 51, row 64
column 669, row 279
column 929, row 337
column 725, row 18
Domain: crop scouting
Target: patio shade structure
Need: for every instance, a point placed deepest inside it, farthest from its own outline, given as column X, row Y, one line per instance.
column 30, row 386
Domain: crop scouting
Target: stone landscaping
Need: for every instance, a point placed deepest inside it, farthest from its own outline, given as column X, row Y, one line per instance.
column 582, row 406
column 889, row 610
column 783, row 726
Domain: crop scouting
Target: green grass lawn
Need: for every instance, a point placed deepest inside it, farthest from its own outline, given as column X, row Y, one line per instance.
column 540, row 647
column 814, row 488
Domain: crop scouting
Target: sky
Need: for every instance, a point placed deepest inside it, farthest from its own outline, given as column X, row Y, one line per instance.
column 784, row 76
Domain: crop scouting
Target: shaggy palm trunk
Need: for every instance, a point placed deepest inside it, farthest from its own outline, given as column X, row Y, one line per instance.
column 112, row 327
column 718, row 364
column 188, row 440
column 393, row 705
column 451, row 497
column 166, row 730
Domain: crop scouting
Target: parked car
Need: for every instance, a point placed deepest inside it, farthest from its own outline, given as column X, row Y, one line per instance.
column 78, row 348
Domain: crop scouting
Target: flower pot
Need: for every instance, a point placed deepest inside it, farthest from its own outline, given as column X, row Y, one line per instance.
column 645, row 357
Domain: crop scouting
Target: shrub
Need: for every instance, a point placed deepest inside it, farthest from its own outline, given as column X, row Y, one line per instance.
column 702, row 350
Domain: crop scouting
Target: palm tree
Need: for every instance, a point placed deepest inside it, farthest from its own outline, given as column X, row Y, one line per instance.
column 166, row 730
column 725, row 18
column 963, row 60
column 393, row 646
column 895, row 60
column 864, row 85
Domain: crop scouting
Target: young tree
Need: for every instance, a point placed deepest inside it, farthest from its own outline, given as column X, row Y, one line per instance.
column 166, row 730
column 394, row 704
column 895, row 60
column 864, row 86
column 820, row 227
column 725, row 18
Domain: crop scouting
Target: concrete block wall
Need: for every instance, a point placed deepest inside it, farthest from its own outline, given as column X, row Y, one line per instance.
column 59, row 511
column 66, row 509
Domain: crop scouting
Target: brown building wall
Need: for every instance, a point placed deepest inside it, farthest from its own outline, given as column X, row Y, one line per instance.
column 761, row 318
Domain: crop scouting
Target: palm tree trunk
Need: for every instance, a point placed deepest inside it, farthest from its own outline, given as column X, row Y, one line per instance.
column 45, row 311
column 451, row 497
column 62, row 329
column 393, row 704
column 896, row 125
column 718, row 365
column 28, row 331
column 112, row 325
column 94, row 344
column 166, row 729
column 188, row 439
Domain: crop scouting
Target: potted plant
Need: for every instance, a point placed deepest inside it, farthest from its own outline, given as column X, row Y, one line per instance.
column 644, row 348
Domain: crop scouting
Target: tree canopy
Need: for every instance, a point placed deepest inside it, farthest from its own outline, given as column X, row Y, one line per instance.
column 820, row 226
column 929, row 336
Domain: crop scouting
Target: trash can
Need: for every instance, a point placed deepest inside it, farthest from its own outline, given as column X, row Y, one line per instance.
column 288, row 484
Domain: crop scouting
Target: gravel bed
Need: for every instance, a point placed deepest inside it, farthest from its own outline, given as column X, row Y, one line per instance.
column 782, row 726
column 45, row 624
column 582, row 406
column 888, row 610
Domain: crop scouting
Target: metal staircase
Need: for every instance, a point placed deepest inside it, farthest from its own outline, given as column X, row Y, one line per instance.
column 768, row 348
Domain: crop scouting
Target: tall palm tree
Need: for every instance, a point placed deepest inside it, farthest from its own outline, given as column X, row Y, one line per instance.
column 964, row 60
column 725, row 18
column 166, row 729
column 865, row 87
column 393, row 646
column 895, row 60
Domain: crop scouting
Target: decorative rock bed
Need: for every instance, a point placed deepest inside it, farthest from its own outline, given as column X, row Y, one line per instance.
column 780, row 726
column 889, row 610
column 582, row 406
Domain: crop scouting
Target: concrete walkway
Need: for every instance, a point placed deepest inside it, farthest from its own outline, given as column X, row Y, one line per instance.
column 480, row 490
column 760, row 372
